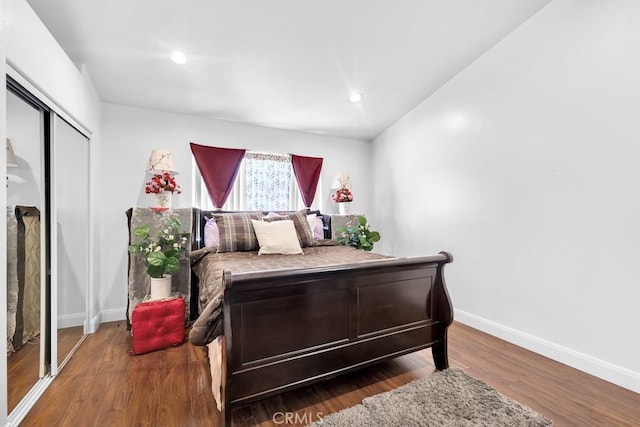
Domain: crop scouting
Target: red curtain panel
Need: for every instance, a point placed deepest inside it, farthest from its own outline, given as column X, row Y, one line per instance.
column 219, row 168
column 307, row 171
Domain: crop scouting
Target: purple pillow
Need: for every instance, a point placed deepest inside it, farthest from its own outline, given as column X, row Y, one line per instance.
column 211, row 234
column 318, row 230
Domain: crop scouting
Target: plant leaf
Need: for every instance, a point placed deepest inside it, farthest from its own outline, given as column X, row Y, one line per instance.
column 141, row 232
column 172, row 265
column 174, row 223
column 156, row 259
column 155, row 271
column 364, row 243
column 374, row 236
column 170, row 253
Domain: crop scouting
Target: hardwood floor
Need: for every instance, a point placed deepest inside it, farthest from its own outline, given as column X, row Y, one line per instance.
column 22, row 371
column 67, row 339
column 23, row 365
column 102, row 385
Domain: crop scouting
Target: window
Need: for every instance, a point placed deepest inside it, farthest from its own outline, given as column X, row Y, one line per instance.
column 265, row 182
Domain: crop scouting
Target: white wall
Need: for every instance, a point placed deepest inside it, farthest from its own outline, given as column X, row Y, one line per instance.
column 129, row 135
column 525, row 167
column 33, row 51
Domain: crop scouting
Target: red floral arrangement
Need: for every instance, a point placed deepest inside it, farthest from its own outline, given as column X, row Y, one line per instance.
column 162, row 182
column 342, row 195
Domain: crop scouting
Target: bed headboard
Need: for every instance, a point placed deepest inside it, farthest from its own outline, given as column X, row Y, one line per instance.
column 200, row 219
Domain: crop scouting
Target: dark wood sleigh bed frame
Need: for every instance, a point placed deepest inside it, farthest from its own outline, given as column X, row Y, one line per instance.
column 287, row 329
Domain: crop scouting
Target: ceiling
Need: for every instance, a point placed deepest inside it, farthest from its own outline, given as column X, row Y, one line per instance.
column 288, row 64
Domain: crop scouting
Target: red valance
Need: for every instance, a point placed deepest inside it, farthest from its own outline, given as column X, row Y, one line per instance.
column 219, row 168
column 307, row 172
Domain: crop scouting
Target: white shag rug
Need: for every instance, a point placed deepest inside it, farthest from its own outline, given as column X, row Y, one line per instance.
column 444, row 399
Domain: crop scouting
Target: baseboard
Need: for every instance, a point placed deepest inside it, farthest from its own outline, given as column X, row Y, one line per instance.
column 94, row 324
column 113, row 315
column 78, row 319
column 607, row 371
column 71, row 320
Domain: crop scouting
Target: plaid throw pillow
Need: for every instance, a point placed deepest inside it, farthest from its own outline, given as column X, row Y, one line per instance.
column 303, row 230
column 236, row 232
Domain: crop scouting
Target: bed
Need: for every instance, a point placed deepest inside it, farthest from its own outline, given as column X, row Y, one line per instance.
column 296, row 321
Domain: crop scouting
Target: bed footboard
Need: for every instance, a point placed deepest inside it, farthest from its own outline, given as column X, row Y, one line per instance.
column 287, row 329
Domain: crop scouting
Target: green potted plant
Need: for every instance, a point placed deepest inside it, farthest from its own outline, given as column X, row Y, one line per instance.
column 357, row 234
column 161, row 254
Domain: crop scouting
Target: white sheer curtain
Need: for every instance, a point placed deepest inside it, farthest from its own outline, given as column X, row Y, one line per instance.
column 265, row 182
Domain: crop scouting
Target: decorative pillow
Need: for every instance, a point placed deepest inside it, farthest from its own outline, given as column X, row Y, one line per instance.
column 277, row 237
column 305, row 235
column 318, row 229
column 211, row 233
column 311, row 219
column 316, row 225
column 236, row 232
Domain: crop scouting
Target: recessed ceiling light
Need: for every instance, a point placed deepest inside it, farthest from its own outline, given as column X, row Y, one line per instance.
column 355, row 97
column 178, row 57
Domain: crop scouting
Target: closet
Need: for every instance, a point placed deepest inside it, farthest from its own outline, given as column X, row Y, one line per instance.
column 48, row 252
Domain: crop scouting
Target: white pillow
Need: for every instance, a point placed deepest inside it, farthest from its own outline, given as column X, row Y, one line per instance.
column 311, row 219
column 277, row 237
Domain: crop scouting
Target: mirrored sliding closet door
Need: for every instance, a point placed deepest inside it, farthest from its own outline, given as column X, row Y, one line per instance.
column 70, row 216
column 48, row 253
column 27, row 280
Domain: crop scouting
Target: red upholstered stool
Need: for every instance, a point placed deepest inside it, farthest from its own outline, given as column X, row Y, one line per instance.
column 157, row 324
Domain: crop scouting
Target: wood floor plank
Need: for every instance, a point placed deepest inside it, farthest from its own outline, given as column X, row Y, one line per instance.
column 22, row 371
column 103, row 385
column 23, row 365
